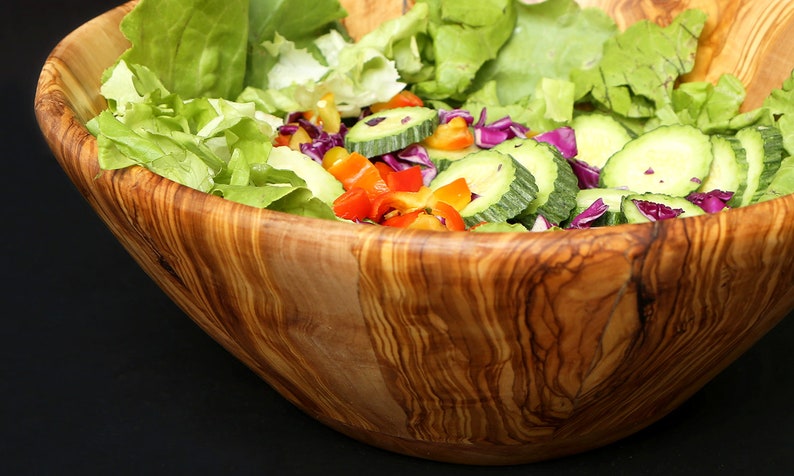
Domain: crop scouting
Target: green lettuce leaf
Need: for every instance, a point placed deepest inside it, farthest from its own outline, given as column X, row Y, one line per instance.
column 550, row 106
column 640, row 67
column 300, row 21
column 464, row 36
column 550, row 40
column 195, row 47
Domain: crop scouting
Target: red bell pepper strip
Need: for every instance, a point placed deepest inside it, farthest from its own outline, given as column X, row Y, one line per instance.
column 402, row 220
column 353, row 204
column 451, row 217
column 404, row 98
column 384, row 169
column 406, row 180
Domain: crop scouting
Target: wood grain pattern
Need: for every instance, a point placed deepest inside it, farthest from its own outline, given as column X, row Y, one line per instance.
column 480, row 349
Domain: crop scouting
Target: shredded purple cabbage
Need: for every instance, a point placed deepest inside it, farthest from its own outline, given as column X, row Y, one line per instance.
column 592, row 213
column 293, row 117
column 323, row 142
column 414, row 154
column 288, row 129
column 586, row 174
column 446, row 115
column 312, row 129
column 563, row 138
column 656, row 211
column 711, row 202
column 487, row 136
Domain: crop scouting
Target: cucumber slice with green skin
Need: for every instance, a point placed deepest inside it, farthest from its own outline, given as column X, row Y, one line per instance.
column 391, row 130
column 671, row 160
column 612, row 198
column 501, row 187
column 634, row 215
column 764, row 148
column 598, row 137
column 729, row 167
column 443, row 158
column 502, row 227
column 322, row 184
column 783, row 181
column 556, row 182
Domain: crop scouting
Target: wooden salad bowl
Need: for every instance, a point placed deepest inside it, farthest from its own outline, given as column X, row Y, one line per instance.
column 484, row 349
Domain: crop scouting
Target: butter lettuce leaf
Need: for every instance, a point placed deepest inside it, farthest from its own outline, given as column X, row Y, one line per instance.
column 299, row 21
column 196, row 48
column 640, row 67
column 550, row 39
column 464, row 36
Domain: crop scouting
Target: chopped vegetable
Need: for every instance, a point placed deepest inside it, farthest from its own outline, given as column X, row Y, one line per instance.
column 579, row 125
column 452, row 135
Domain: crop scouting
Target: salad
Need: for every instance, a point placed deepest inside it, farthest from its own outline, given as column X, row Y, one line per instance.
column 460, row 115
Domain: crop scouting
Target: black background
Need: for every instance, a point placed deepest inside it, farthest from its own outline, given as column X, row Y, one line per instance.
column 102, row 374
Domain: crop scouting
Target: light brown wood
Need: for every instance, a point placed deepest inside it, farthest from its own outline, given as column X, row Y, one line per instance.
column 480, row 349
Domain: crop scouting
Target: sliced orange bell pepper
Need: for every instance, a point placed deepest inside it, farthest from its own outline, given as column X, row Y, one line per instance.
column 404, row 98
column 455, row 193
column 454, row 135
column 354, row 170
column 408, row 201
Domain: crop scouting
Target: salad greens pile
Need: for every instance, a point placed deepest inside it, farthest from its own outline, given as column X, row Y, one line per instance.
column 202, row 92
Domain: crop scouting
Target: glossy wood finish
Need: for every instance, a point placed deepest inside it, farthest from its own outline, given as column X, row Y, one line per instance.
column 479, row 349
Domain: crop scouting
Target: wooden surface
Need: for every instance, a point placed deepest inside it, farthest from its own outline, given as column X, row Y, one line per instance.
column 482, row 349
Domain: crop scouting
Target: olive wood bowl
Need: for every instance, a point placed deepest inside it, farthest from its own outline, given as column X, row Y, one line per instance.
column 483, row 349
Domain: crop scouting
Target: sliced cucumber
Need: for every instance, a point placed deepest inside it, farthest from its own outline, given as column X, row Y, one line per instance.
column 729, row 167
column 557, row 184
column 391, row 130
column 322, row 184
column 634, row 215
column 442, row 158
column 671, row 160
column 783, row 181
column 598, row 137
column 764, row 148
column 612, row 198
column 499, row 228
column 501, row 187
